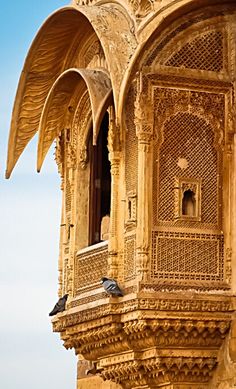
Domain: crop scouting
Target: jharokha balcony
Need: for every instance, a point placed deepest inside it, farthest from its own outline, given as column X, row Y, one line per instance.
column 139, row 97
column 130, row 336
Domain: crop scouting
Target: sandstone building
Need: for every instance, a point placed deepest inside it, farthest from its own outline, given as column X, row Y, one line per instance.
column 139, row 96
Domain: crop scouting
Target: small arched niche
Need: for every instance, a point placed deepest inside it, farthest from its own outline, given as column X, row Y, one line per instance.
column 188, row 199
column 189, row 203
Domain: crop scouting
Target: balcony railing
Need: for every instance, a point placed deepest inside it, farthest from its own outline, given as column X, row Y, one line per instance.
column 91, row 263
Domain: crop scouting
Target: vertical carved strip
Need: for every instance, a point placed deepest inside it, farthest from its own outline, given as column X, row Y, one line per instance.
column 228, row 193
column 114, row 158
column 61, row 253
column 144, row 132
column 232, row 252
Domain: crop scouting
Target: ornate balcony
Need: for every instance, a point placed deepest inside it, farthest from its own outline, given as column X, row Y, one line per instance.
column 143, row 339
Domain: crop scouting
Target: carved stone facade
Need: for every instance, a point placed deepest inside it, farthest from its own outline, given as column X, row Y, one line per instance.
column 139, row 97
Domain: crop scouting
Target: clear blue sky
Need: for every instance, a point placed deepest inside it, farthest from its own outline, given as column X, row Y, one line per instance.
column 32, row 357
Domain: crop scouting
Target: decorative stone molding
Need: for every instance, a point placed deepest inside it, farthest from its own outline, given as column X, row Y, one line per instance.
column 172, row 347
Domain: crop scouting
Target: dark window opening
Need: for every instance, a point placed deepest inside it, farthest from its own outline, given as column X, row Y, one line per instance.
column 129, row 209
column 189, row 203
column 100, row 182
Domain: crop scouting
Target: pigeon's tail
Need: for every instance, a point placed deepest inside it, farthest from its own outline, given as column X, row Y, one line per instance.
column 53, row 312
column 119, row 293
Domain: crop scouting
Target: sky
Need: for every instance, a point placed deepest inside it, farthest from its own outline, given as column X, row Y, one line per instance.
column 31, row 355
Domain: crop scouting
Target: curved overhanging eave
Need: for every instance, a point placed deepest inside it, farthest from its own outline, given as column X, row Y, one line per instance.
column 43, row 64
column 49, row 56
column 71, row 85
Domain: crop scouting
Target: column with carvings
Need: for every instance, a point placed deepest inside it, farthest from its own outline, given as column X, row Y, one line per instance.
column 70, row 180
column 114, row 158
column 144, row 132
column 60, row 165
column 231, row 253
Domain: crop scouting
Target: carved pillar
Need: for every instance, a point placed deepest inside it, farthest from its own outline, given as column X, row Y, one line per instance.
column 232, row 253
column 71, row 165
column 114, row 158
column 59, row 155
column 144, row 132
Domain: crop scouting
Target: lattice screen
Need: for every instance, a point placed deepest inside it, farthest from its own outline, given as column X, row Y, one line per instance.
column 90, row 267
column 204, row 53
column 131, row 148
column 190, row 138
column 68, row 195
column 129, row 253
column 181, row 256
column 187, row 149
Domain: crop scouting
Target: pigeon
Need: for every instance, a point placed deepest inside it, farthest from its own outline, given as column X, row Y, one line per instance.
column 60, row 305
column 111, row 286
column 92, row 371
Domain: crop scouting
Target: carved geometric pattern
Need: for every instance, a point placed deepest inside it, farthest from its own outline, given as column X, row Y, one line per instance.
column 204, row 52
column 68, row 195
column 192, row 24
column 90, row 266
column 131, row 149
column 189, row 138
column 129, row 256
column 187, row 256
column 169, row 349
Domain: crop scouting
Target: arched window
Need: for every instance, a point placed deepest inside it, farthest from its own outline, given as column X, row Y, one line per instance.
column 100, row 184
column 189, row 203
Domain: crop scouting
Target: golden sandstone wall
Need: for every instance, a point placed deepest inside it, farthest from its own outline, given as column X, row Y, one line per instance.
column 158, row 79
column 95, row 383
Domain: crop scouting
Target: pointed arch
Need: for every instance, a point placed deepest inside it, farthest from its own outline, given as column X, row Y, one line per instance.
column 150, row 31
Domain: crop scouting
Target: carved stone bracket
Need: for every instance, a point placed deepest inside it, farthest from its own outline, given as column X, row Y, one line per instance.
column 59, row 157
column 114, row 135
column 81, row 126
column 143, row 111
column 83, row 156
column 172, row 348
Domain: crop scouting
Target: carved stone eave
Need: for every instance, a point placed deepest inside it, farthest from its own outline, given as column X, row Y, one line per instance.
column 63, row 30
column 57, row 105
column 138, row 333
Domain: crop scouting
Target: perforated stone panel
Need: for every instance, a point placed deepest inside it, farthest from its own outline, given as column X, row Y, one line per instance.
column 90, row 267
column 204, row 53
column 182, row 256
column 68, row 195
column 129, row 253
column 131, row 146
column 197, row 42
column 188, row 138
column 187, row 146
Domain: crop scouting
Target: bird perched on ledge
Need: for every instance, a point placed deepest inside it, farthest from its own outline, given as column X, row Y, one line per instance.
column 60, row 305
column 111, row 287
column 93, row 370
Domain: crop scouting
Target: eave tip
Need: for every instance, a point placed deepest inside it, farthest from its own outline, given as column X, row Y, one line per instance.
column 7, row 174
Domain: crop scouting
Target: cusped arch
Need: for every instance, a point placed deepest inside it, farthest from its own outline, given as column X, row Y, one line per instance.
column 154, row 28
column 53, row 51
column 72, row 85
